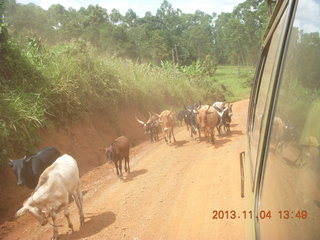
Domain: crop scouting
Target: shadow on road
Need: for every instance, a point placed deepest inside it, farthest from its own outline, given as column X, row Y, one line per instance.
column 93, row 226
column 234, row 132
column 134, row 174
column 220, row 142
column 179, row 143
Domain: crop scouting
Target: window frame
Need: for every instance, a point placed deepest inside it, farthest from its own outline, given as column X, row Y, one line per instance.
column 291, row 5
column 282, row 6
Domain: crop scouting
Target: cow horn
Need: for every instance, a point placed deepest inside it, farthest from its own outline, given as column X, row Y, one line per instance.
column 139, row 121
column 150, row 115
column 156, row 114
column 186, row 108
column 208, row 108
column 10, row 163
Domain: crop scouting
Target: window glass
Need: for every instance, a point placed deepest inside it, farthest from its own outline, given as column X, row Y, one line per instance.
column 291, row 184
column 262, row 91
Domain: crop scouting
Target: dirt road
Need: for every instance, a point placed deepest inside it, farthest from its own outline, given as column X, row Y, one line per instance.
column 170, row 193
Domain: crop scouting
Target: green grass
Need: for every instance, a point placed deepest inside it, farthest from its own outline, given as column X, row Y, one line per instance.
column 54, row 85
column 237, row 81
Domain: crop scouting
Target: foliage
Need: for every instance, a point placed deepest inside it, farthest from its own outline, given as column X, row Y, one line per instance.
column 43, row 86
column 169, row 35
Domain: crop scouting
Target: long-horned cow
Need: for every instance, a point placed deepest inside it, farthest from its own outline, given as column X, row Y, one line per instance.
column 151, row 127
column 207, row 118
column 56, row 184
column 118, row 150
column 167, row 121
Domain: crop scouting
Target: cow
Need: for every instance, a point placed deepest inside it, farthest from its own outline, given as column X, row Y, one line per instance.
column 219, row 106
column 118, row 150
column 56, row 184
column 191, row 118
column 151, row 127
column 207, row 119
column 167, row 120
column 181, row 116
column 29, row 169
column 278, row 132
column 225, row 119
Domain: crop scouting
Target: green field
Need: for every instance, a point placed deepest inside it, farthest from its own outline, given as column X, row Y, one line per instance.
column 237, row 81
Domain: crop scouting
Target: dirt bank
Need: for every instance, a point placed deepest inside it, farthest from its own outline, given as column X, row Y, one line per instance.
column 81, row 140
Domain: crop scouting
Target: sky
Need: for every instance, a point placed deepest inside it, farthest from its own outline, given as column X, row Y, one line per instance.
column 140, row 7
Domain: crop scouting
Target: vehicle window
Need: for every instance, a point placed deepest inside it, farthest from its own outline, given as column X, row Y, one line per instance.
column 262, row 91
column 291, row 184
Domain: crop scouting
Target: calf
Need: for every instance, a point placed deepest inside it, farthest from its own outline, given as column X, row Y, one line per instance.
column 55, row 185
column 29, row 169
column 118, row 150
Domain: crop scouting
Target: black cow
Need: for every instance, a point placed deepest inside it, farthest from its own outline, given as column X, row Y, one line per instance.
column 190, row 118
column 151, row 127
column 225, row 119
column 29, row 169
column 181, row 116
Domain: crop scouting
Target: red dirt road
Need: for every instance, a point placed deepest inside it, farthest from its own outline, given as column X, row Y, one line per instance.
column 170, row 193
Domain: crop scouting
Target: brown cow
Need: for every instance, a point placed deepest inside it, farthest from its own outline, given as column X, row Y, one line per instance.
column 167, row 121
column 118, row 150
column 207, row 118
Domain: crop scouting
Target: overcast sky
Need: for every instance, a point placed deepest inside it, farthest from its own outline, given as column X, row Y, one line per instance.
column 142, row 6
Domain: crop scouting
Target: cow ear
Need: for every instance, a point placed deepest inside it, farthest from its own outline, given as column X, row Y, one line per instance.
column 10, row 163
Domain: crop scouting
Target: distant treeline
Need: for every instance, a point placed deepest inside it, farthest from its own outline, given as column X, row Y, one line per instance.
column 169, row 35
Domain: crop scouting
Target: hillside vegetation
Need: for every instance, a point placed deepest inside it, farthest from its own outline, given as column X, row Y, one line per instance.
column 57, row 65
column 42, row 86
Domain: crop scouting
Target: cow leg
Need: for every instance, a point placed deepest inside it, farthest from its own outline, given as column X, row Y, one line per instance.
column 116, row 165
column 174, row 139
column 212, row 136
column 67, row 215
column 219, row 130
column 77, row 196
column 127, row 160
column 120, row 167
column 55, row 228
column 199, row 135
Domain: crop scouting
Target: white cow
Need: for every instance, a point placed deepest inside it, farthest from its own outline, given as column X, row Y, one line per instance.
column 55, row 185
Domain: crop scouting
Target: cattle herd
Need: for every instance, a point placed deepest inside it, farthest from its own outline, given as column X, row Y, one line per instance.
column 55, row 177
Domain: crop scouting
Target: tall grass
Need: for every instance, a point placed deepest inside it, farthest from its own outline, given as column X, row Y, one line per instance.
column 41, row 86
